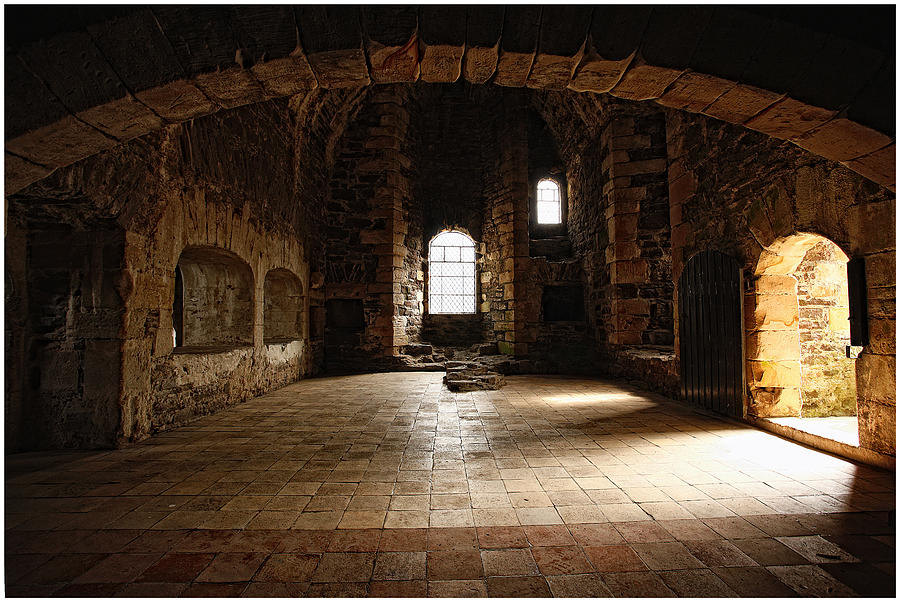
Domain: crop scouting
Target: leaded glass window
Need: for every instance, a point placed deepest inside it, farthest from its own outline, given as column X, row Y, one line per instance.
column 549, row 205
column 451, row 274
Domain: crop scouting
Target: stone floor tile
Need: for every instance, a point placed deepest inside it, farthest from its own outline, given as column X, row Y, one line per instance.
column 369, row 502
column 538, row 516
column 864, row 579
column 614, row 559
column 394, row 566
column 642, row 532
column 517, row 587
column 273, row 589
column 578, row 586
column 62, row 568
column 176, row 567
column 530, row 499
column 581, row 514
column 80, row 590
column 318, row 520
column 719, row 552
column 666, row 556
column 501, row 563
column 337, row 589
column 596, row 534
column 410, row 502
column 450, row 501
column 319, row 503
column 407, row 519
column 454, row 564
column 753, row 582
column 734, row 527
column 117, row 568
column 151, row 590
column 569, row 498
column 769, row 552
column 689, row 530
column 342, row 567
column 403, row 540
column 864, row 547
column 816, row 549
column 213, row 590
column 696, row 583
column 355, row 540
column 232, row 566
column 266, row 519
column 457, row 589
column 643, row 584
column 561, row 560
column 811, row 581
column 451, row 518
column 285, row 568
column 452, row 538
column 398, row 589
column 501, row 537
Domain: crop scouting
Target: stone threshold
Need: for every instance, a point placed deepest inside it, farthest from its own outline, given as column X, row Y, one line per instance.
column 838, row 448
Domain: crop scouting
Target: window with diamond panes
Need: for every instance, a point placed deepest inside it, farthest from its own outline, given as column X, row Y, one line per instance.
column 549, row 205
column 451, row 274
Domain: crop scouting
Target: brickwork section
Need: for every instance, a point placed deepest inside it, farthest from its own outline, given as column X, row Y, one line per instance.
column 828, row 385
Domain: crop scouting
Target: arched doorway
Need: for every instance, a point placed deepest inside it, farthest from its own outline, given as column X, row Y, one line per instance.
column 801, row 366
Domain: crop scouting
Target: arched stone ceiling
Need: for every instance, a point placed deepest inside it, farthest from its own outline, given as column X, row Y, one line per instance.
column 88, row 79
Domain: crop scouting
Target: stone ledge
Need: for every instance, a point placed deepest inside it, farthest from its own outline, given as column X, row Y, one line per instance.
column 844, row 450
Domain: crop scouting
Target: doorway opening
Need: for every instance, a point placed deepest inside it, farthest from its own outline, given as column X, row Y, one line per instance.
column 801, row 363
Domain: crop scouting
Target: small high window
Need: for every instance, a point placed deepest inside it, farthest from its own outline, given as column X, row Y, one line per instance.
column 451, row 274
column 549, row 204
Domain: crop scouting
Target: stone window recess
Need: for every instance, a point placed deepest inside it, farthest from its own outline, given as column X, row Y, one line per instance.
column 451, row 274
column 283, row 314
column 213, row 304
column 345, row 321
column 549, row 202
column 562, row 304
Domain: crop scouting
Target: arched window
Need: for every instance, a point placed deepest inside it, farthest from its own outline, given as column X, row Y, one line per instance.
column 549, row 203
column 451, row 274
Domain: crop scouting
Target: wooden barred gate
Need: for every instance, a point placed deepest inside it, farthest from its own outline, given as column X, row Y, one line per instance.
column 711, row 333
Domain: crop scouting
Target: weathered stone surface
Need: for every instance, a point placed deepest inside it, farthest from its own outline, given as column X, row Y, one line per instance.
column 67, row 140
column 693, row 92
column 880, row 166
column 644, row 81
column 19, row 173
column 521, row 27
column 740, row 103
column 611, row 45
column 285, row 76
column 230, row 88
column 789, row 118
column 560, row 45
column 442, row 34
column 842, row 140
column 774, row 402
column 333, row 44
column 177, row 101
column 392, row 43
column 484, row 24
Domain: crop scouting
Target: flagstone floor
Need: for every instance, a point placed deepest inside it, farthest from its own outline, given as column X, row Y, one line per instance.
column 390, row 485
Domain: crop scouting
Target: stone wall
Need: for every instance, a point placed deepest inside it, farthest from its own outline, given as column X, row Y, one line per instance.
column 222, row 183
column 828, row 376
column 748, row 196
column 368, row 216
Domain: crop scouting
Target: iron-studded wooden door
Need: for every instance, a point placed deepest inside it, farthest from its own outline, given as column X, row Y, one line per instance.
column 711, row 333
